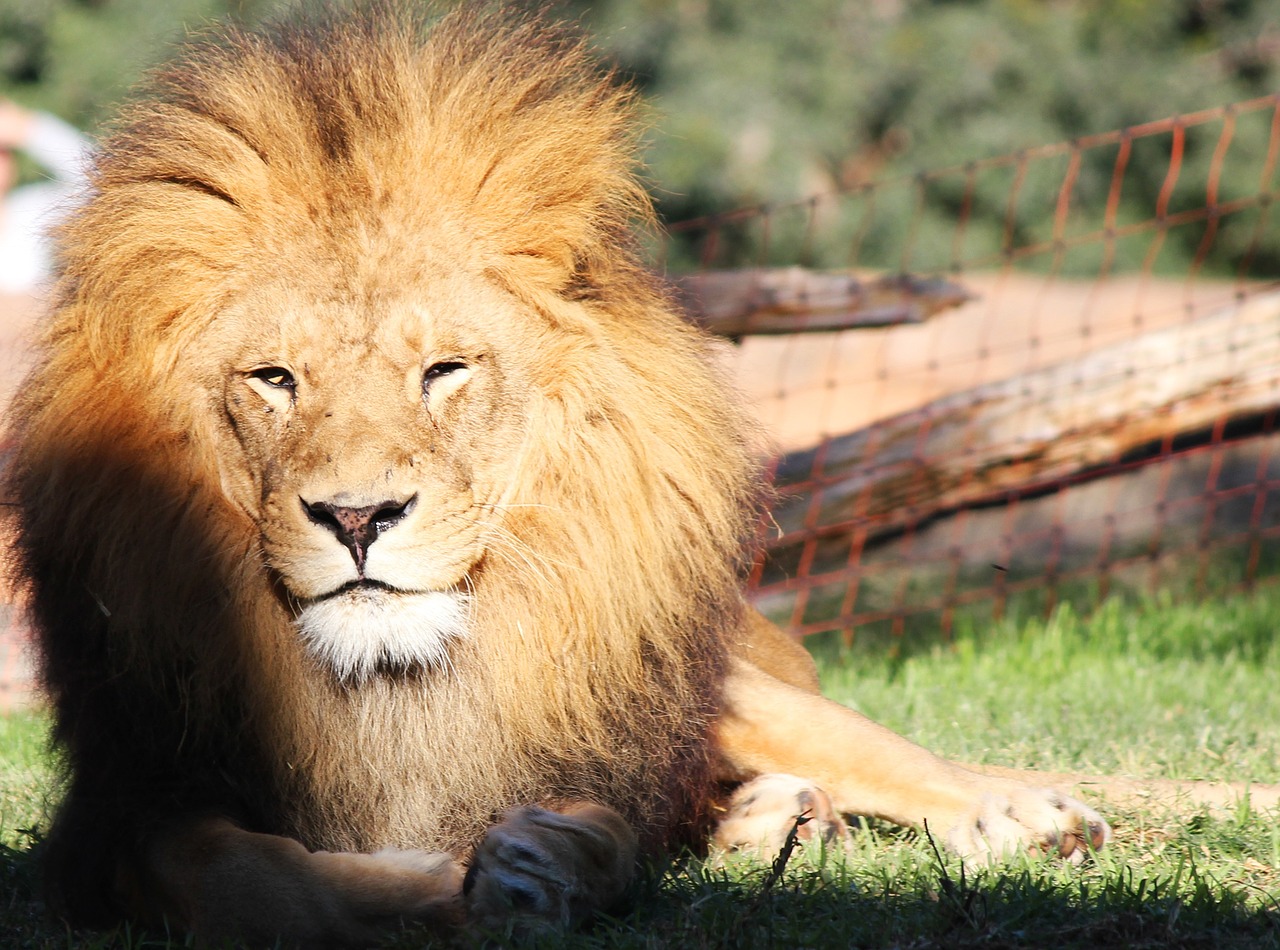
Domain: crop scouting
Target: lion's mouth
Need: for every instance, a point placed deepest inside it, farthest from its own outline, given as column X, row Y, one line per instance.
column 365, row 626
column 363, row 584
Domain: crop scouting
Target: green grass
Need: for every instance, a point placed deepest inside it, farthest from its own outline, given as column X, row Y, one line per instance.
column 25, row 778
column 1152, row 689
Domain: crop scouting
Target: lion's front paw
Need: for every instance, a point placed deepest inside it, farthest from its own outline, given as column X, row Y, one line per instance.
column 540, row 868
column 1029, row 819
column 763, row 811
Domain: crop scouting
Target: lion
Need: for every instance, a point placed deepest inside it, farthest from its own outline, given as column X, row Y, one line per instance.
column 384, row 523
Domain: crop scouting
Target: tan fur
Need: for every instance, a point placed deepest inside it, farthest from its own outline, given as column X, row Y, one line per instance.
column 353, row 321
column 360, row 207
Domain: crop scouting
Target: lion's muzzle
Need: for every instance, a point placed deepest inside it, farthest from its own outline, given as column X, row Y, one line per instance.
column 357, row 528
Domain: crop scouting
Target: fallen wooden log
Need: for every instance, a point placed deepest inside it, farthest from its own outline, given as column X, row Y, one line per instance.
column 1030, row 430
column 737, row 303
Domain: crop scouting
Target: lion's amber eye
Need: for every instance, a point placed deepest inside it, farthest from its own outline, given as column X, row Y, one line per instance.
column 275, row 376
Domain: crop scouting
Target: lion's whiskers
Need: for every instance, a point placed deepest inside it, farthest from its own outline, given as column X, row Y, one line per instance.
column 541, row 566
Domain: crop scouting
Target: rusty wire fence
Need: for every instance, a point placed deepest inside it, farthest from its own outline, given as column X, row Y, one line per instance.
column 1095, row 411
column 1098, row 416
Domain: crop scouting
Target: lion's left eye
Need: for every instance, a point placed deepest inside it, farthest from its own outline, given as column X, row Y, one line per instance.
column 443, row 368
column 453, row 370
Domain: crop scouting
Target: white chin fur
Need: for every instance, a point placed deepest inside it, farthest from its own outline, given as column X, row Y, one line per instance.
column 356, row 632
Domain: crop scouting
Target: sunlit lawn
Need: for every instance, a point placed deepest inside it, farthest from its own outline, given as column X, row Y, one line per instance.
column 1153, row 690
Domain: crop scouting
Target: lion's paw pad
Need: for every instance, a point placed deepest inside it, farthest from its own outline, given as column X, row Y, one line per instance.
column 538, row 869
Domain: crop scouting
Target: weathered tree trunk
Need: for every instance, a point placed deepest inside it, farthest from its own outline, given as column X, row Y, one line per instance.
column 1033, row 429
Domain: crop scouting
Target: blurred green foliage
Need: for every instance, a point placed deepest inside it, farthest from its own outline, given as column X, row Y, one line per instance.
column 755, row 101
column 758, row 101
column 761, row 103
column 78, row 58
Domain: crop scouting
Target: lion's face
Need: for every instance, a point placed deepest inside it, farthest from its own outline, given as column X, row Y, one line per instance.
column 378, row 436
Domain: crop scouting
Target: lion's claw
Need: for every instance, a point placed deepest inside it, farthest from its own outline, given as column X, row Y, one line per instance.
column 762, row 813
column 1029, row 819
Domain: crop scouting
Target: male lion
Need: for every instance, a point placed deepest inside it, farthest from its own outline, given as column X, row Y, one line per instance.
column 382, row 517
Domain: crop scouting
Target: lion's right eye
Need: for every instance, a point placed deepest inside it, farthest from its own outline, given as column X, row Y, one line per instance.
column 275, row 376
column 275, row 385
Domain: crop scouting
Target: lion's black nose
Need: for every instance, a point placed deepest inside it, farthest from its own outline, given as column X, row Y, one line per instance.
column 357, row 528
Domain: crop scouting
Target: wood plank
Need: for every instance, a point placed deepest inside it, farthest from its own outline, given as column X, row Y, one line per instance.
column 737, row 303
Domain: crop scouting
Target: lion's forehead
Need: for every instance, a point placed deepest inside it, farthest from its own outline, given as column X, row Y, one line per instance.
column 357, row 338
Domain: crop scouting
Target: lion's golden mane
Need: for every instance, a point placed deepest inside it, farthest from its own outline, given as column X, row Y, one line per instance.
column 355, row 146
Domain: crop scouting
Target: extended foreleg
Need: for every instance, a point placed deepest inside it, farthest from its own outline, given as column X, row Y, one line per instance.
column 768, row 726
column 213, row 879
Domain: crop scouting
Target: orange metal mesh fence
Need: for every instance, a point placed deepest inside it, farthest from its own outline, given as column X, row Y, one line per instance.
column 882, row 523
column 1106, row 272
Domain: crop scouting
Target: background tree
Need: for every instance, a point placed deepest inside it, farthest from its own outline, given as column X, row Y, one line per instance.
column 757, row 102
